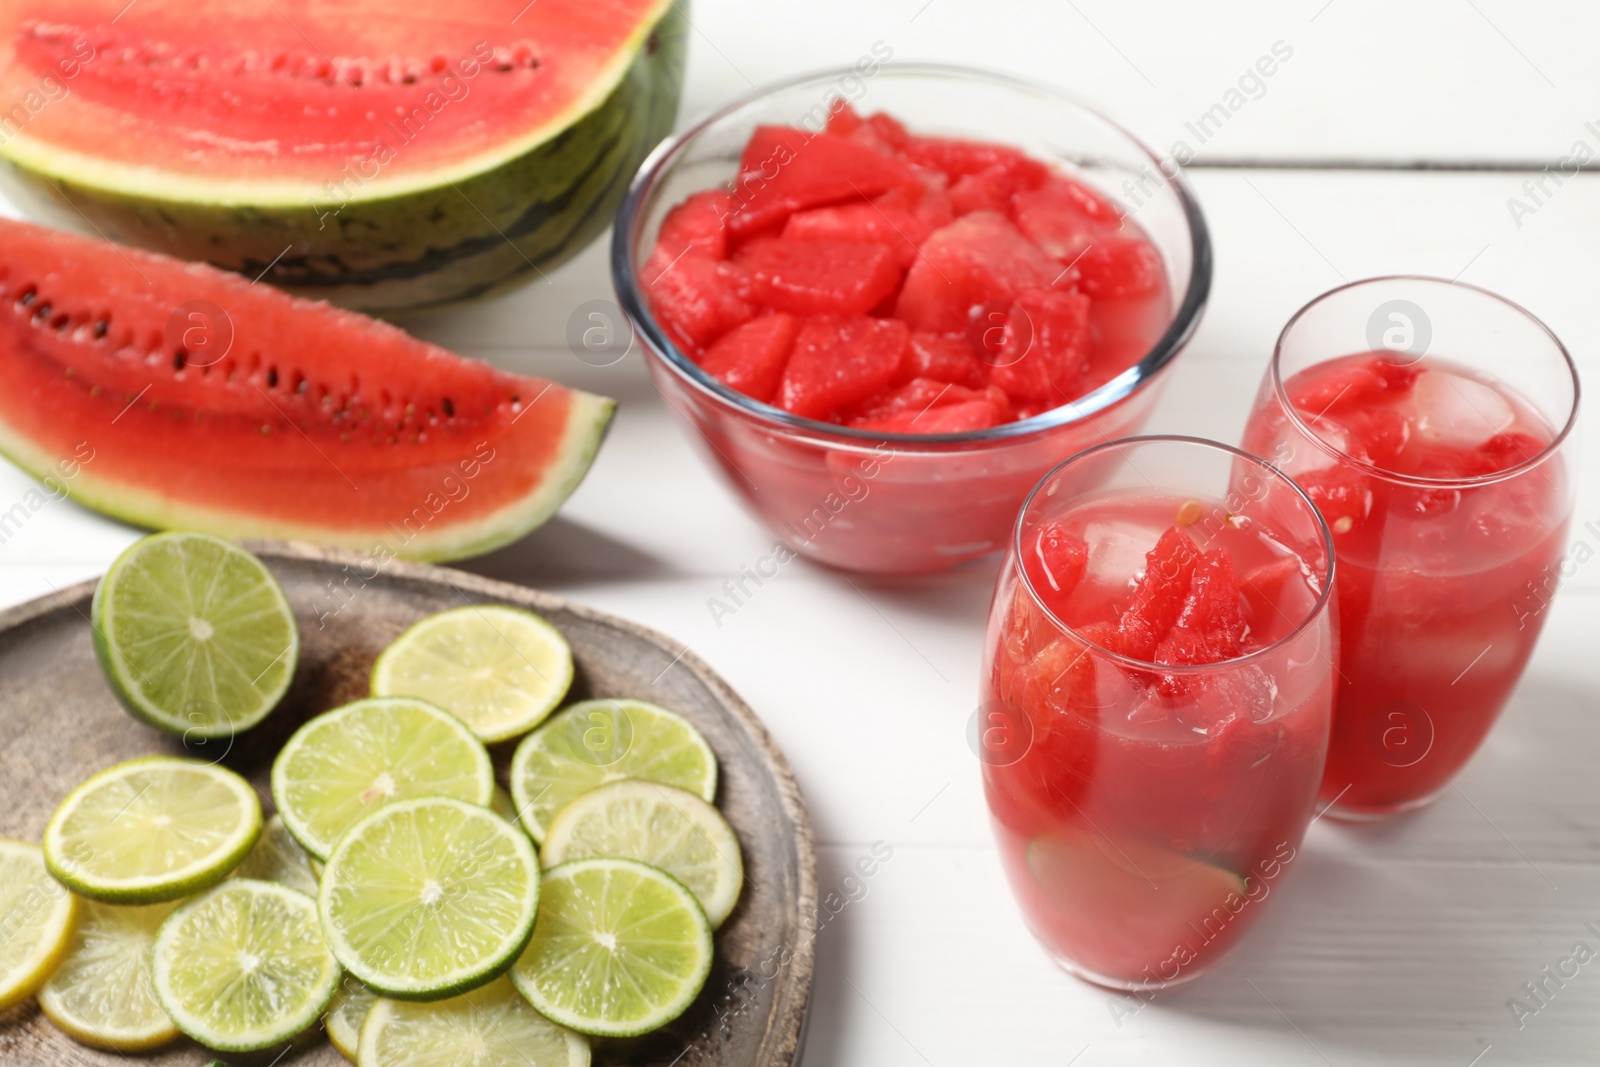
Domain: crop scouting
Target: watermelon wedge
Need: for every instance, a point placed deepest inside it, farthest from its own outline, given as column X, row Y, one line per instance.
column 382, row 156
column 175, row 395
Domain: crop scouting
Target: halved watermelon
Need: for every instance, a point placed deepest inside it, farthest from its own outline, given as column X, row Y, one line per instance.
column 172, row 394
column 383, row 156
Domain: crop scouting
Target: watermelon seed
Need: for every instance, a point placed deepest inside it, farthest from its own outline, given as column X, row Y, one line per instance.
column 272, row 378
column 178, row 360
column 101, row 328
column 42, row 313
column 449, row 408
column 27, row 297
column 61, row 322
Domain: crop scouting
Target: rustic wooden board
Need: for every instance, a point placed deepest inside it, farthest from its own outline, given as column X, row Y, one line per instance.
column 59, row 723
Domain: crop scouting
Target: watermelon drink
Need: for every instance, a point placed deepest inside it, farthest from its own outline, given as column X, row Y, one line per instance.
column 1448, row 493
column 886, row 326
column 1158, row 692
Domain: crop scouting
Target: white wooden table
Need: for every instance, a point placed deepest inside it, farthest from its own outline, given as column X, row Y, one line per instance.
column 1399, row 944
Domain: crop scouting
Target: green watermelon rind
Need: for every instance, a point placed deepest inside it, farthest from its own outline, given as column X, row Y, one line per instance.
column 427, row 241
column 588, row 419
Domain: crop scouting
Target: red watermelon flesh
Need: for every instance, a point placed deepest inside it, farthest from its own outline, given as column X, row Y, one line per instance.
column 839, row 361
column 973, row 247
column 948, row 418
column 210, row 403
column 977, row 258
column 1051, row 328
column 784, row 170
column 374, row 97
column 751, row 358
column 1063, row 218
column 818, row 277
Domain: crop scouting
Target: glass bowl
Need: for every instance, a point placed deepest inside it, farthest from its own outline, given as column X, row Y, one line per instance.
column 909, row 503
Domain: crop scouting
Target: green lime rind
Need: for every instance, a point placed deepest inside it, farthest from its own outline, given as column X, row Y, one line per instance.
column 151, row 830
column 494, row 1021
column 660, row 825
column 429, row 898
column 346, row 763
column 37, row 917
column 621, row 948
column 596, row 742
column 345, row 1015
column 194, row 635
column 244, row 967
column 102, row 995
column 500, row 670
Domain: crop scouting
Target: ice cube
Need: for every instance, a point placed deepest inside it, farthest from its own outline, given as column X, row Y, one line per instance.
column 1117, row 549
column 1298, row 456
column 1457, row 411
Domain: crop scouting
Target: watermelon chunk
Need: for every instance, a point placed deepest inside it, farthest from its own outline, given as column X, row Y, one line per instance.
column 1506, row 450
column 819, row 277
column 1056, row 564
column 916, row 396
column 949, row 418
column 751, row 358
column 978, row 258
column 1050, row 329
column 943, row 358
column 1160, row 595
column 1347, row 384
column 1120, row 267
column 992, row 188
column 900, row 219
column 840, row 361
column 696, row 298
column 1342, row 495
column 1211, row 626
column 250, row 413
column 958, row 158
column 1062, row 217
column 698, row 226
column 784, row 170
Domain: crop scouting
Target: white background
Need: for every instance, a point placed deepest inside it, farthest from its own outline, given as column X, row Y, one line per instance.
column 1399, row 944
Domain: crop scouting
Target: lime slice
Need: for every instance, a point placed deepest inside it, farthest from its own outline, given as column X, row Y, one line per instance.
column 488, row 1027
column 194, row 635
column 346, row 1014
column 600, row 741
column 244, row 967
column 101, row 995
column 152, row 829
column 620, row 949
column 500, row 670
column 349, row 762
column 278, row 857
column 36, row 920
column 428, row 898
column 656, row 824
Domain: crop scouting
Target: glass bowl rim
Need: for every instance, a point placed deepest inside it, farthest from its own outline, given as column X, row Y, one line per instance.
column 1185, row 319
column 1411, row 480
column 1324, row 596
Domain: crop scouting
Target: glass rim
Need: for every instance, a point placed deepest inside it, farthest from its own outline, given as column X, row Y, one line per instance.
column 1185, row 318
column 1324, row 596
column 1413, row 480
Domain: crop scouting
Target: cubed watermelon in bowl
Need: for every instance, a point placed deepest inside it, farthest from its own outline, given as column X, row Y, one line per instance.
column 929, row 285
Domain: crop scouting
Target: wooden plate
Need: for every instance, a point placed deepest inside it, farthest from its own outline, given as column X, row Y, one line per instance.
column 59, row 723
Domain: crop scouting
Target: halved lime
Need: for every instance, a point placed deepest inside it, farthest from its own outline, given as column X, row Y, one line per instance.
column 102, row 995
column 621, row 948
column 36, row 920
column 349, row 762
column 500, row 670
column 488, row 1027
column 152, row 829
column 346, row 1014
column 600, row 741
column 194, row 634
column 244, row 966
column 428, row 898
column 278, row 857
column 657, row 824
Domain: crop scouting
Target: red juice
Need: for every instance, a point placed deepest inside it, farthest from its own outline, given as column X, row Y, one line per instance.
column 1446, row 540
column 1158, row 694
